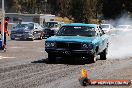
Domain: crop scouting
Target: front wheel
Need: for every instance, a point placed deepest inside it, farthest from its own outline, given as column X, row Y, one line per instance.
column 40, row 38
column 12, row 38
column 51, row 57
column 103, row 54
column 31, row 39
column 92, row 58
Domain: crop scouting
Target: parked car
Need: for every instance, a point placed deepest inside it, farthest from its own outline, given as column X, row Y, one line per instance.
column 108, row 28
column 27, row 30
column 50, row 28
column 81, row 40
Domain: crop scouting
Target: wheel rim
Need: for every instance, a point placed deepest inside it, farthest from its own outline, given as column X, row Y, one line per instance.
column 95, row 59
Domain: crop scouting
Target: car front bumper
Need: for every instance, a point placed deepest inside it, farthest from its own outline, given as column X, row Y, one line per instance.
column 66, row 52
column 21, row 36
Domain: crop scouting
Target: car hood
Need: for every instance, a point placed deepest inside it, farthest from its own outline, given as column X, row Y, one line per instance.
column 20, row 30
column 71, row 39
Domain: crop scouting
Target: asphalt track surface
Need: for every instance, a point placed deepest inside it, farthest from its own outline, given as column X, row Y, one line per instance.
column 25, row 65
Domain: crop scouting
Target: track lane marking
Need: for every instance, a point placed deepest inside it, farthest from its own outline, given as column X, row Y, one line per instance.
column 1, row 57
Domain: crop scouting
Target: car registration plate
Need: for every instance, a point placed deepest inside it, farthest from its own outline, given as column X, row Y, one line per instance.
column 19, row 35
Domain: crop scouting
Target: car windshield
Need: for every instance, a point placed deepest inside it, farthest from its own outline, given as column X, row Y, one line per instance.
column 20, row 26
column 50, row 24
column 104, row 26
column 76, row 31
column 24, row 26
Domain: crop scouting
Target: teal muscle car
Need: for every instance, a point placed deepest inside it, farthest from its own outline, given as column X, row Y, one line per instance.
column 78, row 40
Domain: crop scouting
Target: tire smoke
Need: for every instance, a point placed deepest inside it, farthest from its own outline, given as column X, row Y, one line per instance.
column 121, row 44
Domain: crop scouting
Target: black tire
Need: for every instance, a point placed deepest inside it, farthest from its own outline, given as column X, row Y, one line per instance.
column 51, row 58
column 92, row 58
column 12, row 38
column 103, row 54
column 31, row 39
column 40, row 38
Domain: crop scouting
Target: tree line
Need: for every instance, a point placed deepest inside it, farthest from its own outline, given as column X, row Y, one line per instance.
column 80, row 10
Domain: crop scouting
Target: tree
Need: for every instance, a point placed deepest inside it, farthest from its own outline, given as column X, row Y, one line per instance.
column 128, row 5
column 112, row 8
column 83, row 10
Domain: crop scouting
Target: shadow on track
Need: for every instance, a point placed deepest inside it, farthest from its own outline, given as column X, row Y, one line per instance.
column 63, row 61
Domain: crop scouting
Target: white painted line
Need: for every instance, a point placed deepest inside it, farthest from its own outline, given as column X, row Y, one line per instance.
column 1, row 57
column 36, row 41
column 17, row 47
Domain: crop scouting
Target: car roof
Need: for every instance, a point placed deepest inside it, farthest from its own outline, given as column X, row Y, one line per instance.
column 81, row 24
column 26, row 22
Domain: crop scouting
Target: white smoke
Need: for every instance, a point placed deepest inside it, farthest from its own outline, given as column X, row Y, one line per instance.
column 124, row 19
column 121, row 44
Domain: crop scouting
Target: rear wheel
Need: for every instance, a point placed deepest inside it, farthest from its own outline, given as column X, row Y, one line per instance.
column 103, row 54
column 51, row 57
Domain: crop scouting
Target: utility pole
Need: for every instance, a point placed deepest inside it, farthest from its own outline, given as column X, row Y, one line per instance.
column 3, row 17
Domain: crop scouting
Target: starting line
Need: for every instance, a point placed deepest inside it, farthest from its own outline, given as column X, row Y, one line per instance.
column 1, row 57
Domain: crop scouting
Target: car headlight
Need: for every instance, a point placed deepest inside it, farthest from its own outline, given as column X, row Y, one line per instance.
column 50, row 44
column 87, row 46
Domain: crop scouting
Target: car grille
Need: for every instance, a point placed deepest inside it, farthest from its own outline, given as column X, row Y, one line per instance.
column 17, row 32
column 48, row 31
column 71, row 46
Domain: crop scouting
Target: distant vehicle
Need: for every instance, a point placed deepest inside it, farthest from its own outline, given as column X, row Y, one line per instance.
column 108, row 28
column 27, row 30
column 78, row 40
column 124, row 28
column 50, row 28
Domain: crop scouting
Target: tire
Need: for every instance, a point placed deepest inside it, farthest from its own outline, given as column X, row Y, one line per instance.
column 92, row 58
column 12, row 38
column 40, row 38
column 51, row 58
column 31, row 39
column 103, row 54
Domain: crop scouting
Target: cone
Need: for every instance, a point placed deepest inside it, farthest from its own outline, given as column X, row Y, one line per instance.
column 84, row 73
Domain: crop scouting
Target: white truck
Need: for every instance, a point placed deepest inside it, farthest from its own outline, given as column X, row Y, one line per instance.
column 47, row 18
